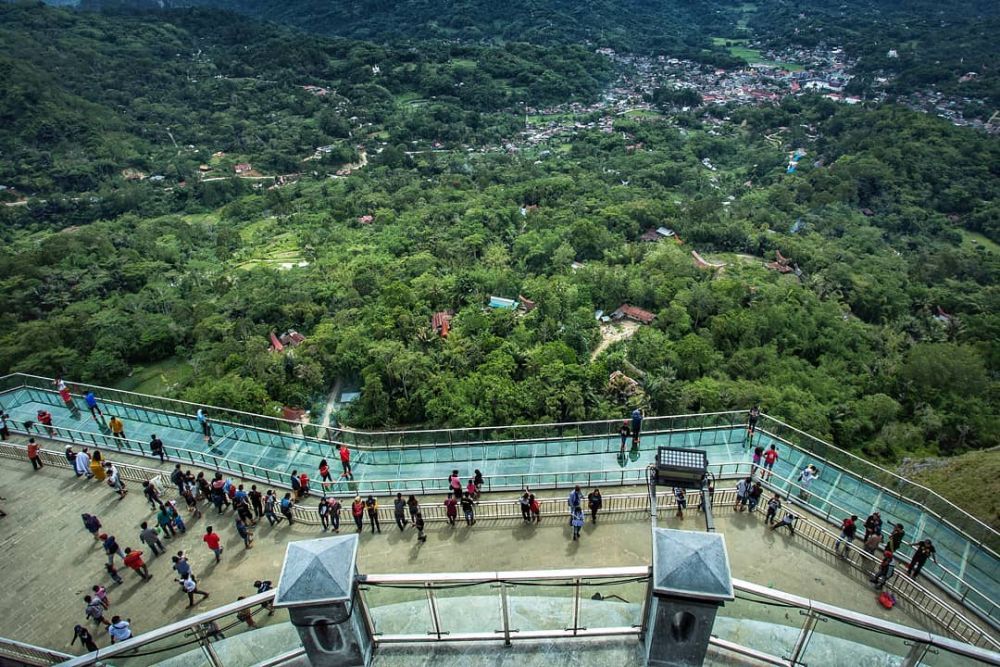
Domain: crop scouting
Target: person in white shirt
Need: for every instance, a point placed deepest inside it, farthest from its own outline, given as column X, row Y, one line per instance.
column 120, row 630
column 82, row 464
column 809, row 473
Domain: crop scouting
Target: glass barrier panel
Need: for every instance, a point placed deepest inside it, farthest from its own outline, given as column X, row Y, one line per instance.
column 609, row 603
column 546, row 606
column 466, row 608
column 836, row 642
column 399, row 610
column 760, row 624
column 941, row 657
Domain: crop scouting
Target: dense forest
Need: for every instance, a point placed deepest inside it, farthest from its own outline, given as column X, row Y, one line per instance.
column 87, row 96
column 932, row 45
column 675, row 26
column 885, row 340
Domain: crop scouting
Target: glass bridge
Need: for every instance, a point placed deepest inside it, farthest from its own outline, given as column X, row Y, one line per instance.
column 534, row 455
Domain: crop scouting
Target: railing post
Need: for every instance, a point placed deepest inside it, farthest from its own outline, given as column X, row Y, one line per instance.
column 576, row 606
column 804, row 636
column 505, row 613
column 432, row 604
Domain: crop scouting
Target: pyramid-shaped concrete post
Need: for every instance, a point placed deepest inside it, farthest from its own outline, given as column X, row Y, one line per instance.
column 691, row 580
column 318, row 586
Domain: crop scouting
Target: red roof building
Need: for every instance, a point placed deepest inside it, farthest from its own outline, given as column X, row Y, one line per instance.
column 292, row 414
column 242, row 168
column 441, row 322
column 292, row 338
column 627, row 312
column 276, row 345
column 526, row 303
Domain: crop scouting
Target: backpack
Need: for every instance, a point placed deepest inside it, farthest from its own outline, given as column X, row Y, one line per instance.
column 285, row 503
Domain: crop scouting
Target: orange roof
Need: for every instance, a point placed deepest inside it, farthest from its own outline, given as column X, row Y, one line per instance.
column 634, row 313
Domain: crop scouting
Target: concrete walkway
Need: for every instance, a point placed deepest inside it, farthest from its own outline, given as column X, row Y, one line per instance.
column 55, row 561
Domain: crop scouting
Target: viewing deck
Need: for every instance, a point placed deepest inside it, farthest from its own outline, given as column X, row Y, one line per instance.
column 53, row 576
column 552, row 456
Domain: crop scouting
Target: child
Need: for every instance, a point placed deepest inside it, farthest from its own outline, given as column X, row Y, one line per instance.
column 451, row 509
column 577, row 520
column 101, row 594
column 418, row 521
column 113, row 571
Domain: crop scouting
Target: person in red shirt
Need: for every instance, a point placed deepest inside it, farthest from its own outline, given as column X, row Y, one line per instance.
column 345, row 461
column 45, row 419
column 133, row 559
column 770, row 456
column 36, row 460
column 303, row 485
column 848, row 529
column 324, row 471
column 213, row 540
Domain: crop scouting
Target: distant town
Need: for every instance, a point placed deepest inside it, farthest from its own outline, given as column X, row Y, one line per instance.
column 776, row 75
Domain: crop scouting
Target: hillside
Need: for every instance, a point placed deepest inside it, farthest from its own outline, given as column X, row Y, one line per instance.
column 88, row 98
column 971, row 481
column 903, row 48
column 834, row 262
column 671, row 26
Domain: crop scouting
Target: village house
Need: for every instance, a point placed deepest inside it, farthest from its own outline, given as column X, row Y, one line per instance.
column 441, row 322
column 628, row 312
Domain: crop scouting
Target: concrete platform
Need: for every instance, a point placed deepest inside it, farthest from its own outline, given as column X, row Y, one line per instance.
column 52, row 561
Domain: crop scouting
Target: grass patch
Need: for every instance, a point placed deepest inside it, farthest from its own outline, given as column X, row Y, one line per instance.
column 538, row 119
column 754, row 57
column 201, row 218
column 971, row 481
column 643, row 113
column 463, row 63
column 159, row 379
column 728, row 41
column 976, row 240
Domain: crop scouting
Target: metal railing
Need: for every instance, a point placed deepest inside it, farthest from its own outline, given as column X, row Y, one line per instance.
column 978, row 531
column 973, row 558
column 487, row 509
column 921, row 599
column 181, row 414
column 29, row 654
column 439, row 605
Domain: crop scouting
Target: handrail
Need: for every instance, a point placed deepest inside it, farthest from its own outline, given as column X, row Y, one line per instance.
column 898, row 478
column 29, row 653
column 650, row 421
column 436, row 513
column 428, row 581
column 347, row 429
column 508, row 509
column 868, row 622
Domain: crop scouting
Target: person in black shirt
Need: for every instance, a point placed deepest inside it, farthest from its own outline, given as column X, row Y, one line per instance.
column 468, row 509
column 156, row 447
column 263, row 587
column 83, row 634
column 924, row 550
column 624, row 431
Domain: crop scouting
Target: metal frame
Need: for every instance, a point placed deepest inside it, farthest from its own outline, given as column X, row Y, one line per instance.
column 812, row 610
column 29, row 654
column 628, row 503
column 955, row 582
